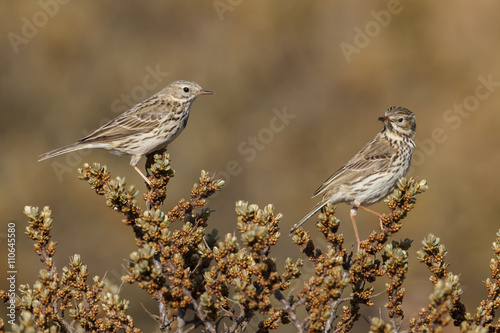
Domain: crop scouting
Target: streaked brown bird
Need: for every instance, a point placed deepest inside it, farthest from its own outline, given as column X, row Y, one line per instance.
column 373, row 172
column 147, row 127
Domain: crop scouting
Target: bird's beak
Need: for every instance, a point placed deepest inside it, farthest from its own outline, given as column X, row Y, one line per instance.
column 205, row 92
column 385, row 119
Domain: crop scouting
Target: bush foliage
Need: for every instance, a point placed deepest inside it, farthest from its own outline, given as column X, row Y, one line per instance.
column 233, row 284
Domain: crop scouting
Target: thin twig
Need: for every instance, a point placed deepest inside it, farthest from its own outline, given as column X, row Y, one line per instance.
column 291, row 310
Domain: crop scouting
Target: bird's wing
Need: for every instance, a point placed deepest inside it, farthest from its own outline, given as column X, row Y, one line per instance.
column 141, row 118
column 375, row 155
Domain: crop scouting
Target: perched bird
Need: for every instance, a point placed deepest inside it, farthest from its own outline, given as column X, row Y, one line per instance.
column 373, row 172
column 147, row 127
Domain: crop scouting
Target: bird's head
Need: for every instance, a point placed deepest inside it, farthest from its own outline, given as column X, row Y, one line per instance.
column 400, row 121
column 186, row 91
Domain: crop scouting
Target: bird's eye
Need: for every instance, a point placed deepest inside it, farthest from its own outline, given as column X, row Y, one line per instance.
column 186, row 89
column 400, row 120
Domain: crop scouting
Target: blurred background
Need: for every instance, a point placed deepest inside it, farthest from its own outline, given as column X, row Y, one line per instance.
column 299, row 86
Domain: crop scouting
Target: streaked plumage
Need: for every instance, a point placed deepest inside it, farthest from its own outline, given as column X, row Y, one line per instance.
column 372, row 173
column 147, row 127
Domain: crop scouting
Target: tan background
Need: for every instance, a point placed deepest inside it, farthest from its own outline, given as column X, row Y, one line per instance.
column 72, row 70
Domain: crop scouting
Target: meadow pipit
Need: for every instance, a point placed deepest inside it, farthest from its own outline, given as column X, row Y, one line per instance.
column 147, row 127
column 373, row 172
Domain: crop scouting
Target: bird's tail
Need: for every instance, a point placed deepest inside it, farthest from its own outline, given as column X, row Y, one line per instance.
column 62, row 150
column 308, row 216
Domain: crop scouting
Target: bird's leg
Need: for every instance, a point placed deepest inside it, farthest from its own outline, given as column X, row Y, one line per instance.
column 142, row 175
column 353, row 212
column 374, row 213
column 150, row 185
